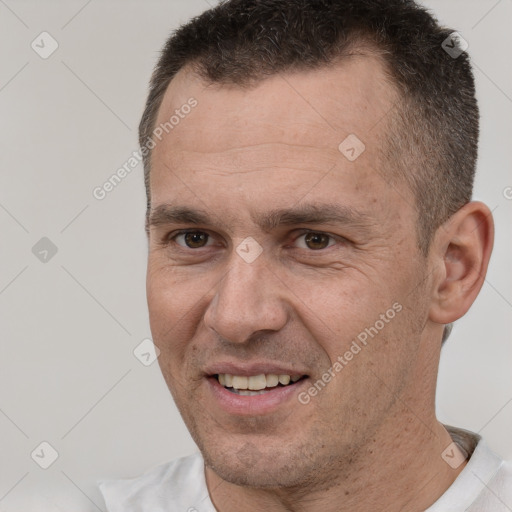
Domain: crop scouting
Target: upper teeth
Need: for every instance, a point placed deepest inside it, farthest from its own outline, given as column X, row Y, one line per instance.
column 255, row 382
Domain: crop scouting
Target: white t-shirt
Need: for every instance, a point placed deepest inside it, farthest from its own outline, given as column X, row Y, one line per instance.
column 484, row 485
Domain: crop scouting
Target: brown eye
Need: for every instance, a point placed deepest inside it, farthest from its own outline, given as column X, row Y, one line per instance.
column 193, row 239
column 316, row 241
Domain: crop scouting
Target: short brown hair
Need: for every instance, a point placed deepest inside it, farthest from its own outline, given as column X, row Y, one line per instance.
column 432, row 132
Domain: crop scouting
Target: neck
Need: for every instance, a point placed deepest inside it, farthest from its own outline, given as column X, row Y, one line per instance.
column 403, row 471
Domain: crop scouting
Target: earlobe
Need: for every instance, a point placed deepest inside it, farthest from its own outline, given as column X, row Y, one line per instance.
column 463, row 247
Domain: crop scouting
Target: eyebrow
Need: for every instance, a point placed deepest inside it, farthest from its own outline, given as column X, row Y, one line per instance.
column 310, row 213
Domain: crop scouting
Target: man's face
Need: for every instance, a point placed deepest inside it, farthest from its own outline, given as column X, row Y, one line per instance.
column 218, row 306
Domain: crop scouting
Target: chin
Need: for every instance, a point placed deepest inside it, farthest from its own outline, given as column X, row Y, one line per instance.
column 259, row 475
column 246, row 464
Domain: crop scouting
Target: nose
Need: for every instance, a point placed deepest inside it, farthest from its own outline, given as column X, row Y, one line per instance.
column 247, row 300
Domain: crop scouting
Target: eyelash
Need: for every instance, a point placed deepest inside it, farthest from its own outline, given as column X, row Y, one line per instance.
column 172, row 239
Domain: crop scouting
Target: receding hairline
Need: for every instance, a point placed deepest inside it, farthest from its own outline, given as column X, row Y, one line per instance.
column 362, row 48
column 362, row 45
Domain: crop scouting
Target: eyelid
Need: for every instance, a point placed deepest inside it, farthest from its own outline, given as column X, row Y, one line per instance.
column 171, row 238
column 335, row 238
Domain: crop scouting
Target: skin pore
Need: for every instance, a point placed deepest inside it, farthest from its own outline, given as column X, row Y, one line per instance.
column 244, row 158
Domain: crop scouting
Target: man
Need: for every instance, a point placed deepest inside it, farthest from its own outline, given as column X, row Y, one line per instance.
column 309, row 169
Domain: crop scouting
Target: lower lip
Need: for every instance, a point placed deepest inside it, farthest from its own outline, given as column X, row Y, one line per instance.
column 255, row 405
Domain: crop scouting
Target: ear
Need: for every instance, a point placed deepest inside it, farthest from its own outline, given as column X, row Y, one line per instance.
column 461, row 251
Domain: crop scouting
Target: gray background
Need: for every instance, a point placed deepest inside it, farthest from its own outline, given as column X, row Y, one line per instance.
column 68, row 375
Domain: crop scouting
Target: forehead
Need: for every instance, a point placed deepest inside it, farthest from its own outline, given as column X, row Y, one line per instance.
column 350, row 96
column 279, row 138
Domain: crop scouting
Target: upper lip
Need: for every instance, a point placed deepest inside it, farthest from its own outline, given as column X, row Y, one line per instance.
column 252, row 368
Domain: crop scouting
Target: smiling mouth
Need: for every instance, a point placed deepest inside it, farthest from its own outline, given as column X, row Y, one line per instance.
column 256, row 384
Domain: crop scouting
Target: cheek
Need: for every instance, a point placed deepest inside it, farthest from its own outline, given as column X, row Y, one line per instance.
column 356, row 318
column 172, row 306
column 337, row 307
